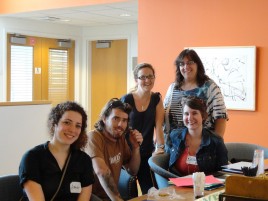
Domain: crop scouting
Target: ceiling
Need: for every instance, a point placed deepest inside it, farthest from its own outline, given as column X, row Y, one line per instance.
column 94, row 15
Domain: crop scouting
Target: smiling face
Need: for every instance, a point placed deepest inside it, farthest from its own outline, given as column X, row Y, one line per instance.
column 192, row 118
column 68, row 128
column 145, row 79
column 189, row 69
column 115, row 124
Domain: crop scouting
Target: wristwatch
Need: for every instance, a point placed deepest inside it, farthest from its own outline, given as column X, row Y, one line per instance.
column 161, row 146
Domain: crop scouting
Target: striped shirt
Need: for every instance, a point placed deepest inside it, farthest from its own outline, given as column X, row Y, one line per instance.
column 209, row 92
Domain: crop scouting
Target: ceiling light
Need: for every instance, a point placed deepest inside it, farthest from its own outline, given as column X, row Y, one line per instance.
column 54, row 19
column 49, row 18
column 125, row 15
column 65, row 20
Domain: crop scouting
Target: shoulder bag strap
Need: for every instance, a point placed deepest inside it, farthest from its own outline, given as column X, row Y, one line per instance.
column 62, row 177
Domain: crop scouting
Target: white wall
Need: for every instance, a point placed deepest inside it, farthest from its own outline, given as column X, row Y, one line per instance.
column 22, row 127
column 25, row 126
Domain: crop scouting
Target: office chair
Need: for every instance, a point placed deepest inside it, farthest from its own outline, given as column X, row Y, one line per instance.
column 159, row 165
column 238, row 151
column 127, row 185
column 10, row 189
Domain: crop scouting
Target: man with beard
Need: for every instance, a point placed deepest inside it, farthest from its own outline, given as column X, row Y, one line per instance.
column 109, row 149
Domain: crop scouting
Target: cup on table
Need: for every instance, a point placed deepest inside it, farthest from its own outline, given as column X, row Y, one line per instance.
column 199, row 184
column 258, row 160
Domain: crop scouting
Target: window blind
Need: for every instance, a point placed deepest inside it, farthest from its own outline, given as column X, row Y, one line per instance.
column 58, row 76
column 21, row 75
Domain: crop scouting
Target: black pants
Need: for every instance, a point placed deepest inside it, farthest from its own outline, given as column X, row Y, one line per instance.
column 145, row 175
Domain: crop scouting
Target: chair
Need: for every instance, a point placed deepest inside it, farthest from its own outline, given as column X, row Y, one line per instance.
column 159, row 165
column 10, row 189
column 127, row 185
column 243, row 151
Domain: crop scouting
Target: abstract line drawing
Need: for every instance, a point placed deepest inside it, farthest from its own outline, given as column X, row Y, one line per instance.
column 233, row 69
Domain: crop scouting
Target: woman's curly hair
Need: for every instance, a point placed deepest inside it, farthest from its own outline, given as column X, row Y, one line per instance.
column 56, row 114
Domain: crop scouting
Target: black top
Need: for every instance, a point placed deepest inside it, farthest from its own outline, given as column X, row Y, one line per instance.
column 144, row 121
column 39, row 165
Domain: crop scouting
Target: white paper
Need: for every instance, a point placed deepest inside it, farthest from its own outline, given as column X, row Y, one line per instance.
column 237, row 166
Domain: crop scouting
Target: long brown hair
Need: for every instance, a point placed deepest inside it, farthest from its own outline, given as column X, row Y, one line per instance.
column 193, row 56
column 114, row 103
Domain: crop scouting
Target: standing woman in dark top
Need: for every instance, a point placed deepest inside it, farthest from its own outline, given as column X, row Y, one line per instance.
column 42, row 167
column 147, row 117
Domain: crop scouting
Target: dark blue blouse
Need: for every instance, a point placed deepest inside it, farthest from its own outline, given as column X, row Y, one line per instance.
column 39, row 165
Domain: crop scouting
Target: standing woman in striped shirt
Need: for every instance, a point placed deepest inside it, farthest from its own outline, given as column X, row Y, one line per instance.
column 191, row 80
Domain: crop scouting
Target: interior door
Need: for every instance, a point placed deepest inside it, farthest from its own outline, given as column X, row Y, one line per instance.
column 48, row 56
column 109, row 75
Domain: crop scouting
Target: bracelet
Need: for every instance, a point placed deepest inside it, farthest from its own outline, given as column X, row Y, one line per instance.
column 162, row 146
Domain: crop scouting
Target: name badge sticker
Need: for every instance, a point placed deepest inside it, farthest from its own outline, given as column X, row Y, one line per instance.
column 191, row 160
column 75, row 187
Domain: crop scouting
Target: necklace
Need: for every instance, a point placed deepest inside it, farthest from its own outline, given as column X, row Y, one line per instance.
column 143, row 102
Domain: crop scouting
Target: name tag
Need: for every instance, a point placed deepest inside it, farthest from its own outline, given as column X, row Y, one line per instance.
column 191, row 160
column 75, row 187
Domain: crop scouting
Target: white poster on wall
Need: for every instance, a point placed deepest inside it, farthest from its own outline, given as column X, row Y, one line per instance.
column 233, row 69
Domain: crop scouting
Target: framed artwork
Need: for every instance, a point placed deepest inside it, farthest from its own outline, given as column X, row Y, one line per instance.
column 234, row 70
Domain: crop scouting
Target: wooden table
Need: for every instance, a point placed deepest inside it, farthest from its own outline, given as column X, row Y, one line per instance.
column 186, row 192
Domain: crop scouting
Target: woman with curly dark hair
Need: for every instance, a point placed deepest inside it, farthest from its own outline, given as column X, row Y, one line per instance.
column 59, row 169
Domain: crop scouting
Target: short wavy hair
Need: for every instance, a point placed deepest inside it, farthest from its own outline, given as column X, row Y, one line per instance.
column 193, row 56
column 114, row 103
column 195, row 103
column 56, row 114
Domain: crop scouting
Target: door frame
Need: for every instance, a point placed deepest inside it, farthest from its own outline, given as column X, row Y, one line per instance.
column 88, row 58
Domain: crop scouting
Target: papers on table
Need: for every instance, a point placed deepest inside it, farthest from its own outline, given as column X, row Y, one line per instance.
column 236, row 167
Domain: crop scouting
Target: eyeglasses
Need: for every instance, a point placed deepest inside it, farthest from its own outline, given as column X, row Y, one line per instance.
column 144, row 77
column 188, row 63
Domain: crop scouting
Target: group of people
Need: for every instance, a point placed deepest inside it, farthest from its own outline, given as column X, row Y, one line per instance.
column 77, row 166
